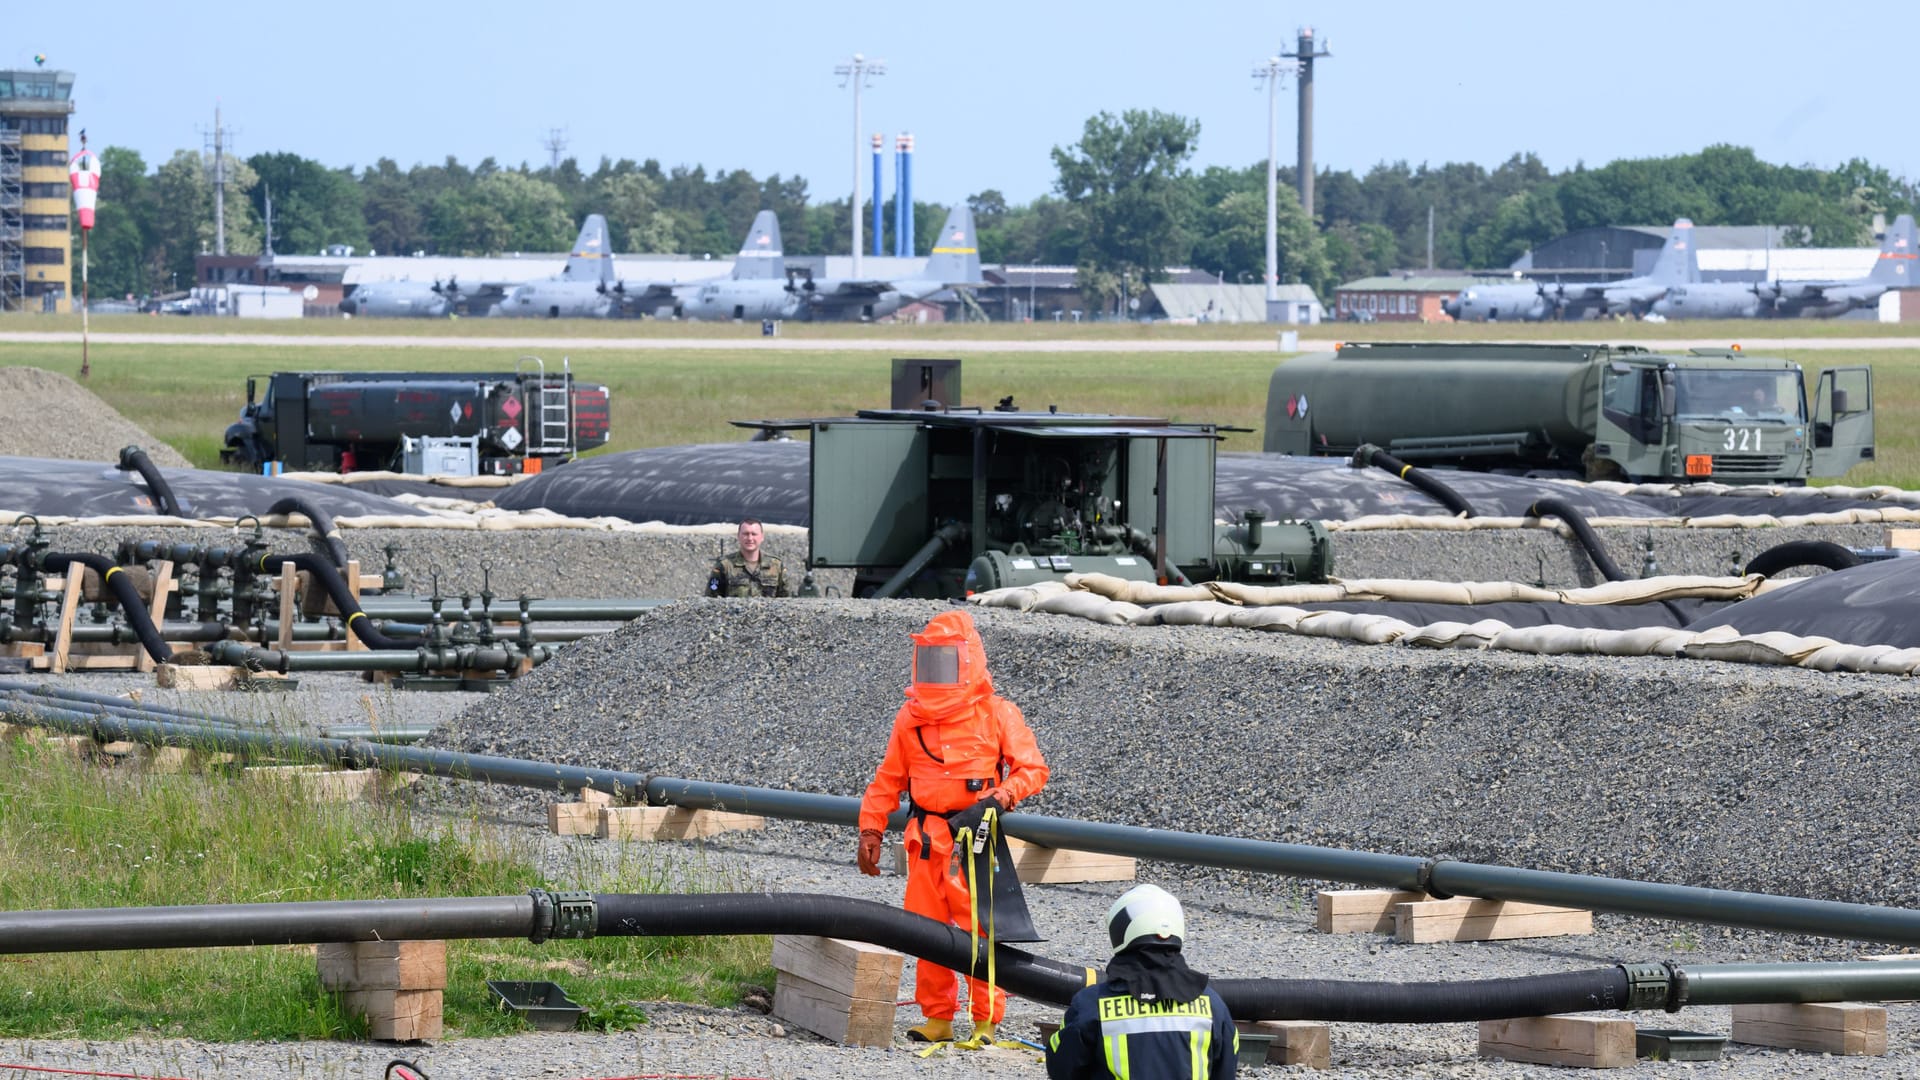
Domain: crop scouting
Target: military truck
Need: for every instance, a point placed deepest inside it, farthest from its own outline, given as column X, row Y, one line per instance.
column 1598, row 412
column 460, row 423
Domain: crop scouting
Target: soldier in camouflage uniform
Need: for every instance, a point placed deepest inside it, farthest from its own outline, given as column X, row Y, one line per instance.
column 747, row 572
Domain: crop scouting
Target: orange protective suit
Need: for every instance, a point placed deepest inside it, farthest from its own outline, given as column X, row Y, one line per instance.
column 952, row 745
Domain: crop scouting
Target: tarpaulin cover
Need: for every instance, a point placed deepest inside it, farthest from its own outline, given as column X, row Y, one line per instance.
column 678, row 485
column 1876, row 603
column 53, row 488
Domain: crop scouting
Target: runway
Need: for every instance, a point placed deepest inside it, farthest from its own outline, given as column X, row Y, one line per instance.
column 898, row 345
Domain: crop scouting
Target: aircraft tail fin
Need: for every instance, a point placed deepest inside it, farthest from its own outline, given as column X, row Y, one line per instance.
column 1677, row 263
column 592, row 255
column 956, row 250
column 1895, row 266
column 760, row 256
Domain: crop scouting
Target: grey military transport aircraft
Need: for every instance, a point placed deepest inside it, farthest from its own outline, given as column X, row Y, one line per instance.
column 585, row 288
column 1675, row 265
column 955, row 262
column 1789, row 299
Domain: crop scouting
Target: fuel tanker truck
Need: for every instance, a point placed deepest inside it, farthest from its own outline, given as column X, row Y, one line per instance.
column 447, row 423
column 1597, row 412
column 942, row 501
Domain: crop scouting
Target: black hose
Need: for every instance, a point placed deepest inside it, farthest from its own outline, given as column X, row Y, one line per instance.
column 1368, row 454
column 1582, row 532
column 951, row 533
column 324, row 530
column 134, row 459
column 1424, row 1002
column 1802, row 553
column 134, row 608
column 324, row 572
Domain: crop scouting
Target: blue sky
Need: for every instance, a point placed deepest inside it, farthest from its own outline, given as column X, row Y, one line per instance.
column 751, row 85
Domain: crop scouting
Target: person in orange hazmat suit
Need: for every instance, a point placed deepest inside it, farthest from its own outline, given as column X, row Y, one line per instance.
column 957, row 750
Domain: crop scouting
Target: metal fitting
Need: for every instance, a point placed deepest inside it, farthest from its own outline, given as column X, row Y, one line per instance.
column 1648, row 986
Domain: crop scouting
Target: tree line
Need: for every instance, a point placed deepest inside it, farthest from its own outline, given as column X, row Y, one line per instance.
column 1125, row 205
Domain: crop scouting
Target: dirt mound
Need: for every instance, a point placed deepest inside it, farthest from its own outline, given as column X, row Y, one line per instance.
column 50, row 416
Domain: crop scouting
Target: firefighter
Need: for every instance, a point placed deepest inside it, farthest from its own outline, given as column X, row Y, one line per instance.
column 746, row 572
column 958, row 751
column 1153, row 1016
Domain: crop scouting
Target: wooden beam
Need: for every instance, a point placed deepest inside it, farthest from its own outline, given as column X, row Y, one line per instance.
column 382, row 965
column 182, row 677
column 1842, row 1027
column 156, row 609
column 1294, row 1042
column 1467, row 919
column 670, row 823
column 1582, row 1042
column 840, row 990
column 397, row 1015
column 1036, row 865
column 69, row 605
column 1359, row 911
column 573, row 819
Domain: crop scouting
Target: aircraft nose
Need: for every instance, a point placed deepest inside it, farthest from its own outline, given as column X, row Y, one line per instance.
column 349, row 306
column 1451, row 307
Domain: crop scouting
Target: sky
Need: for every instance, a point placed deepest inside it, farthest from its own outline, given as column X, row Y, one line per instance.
column 987, row 88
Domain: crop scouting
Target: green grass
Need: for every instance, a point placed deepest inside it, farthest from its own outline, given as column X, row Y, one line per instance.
column 187, row 394
column 74, row 835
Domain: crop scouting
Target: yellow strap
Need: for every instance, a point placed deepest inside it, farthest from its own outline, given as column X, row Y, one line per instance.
column 990, row 821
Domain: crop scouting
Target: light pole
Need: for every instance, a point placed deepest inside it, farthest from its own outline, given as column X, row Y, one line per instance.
column 1271, row 71
column 856, row 72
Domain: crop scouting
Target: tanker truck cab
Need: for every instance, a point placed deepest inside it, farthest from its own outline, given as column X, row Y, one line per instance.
column 1596, row 412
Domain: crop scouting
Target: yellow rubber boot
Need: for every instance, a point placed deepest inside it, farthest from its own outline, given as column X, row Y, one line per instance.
column 932, row 1031
column 982, row 1033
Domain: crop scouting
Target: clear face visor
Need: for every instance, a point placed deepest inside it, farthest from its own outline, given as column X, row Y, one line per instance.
column 936, row 665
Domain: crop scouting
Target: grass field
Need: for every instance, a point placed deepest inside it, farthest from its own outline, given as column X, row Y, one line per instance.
column 75, row 835
column 187, row 394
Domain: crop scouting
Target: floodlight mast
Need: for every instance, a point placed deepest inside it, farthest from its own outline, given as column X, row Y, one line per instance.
column 1272, row 71
column 855, row 73
column 1306, row 52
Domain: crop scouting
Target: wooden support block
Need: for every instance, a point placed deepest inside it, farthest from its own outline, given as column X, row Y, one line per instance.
column 595, row 797
column 1359, row 911
column 573, row 819
column 382, row 965
column 1036, row 865
column 670, row 823
column 1295, row 1042
column 1464, row 918
column 1903, row 538
column 1844, row 1027
column 10, row 732
column 77, row 746
column 397, row 1015
column 1581, row 1042
column 334, row 785
column 119, row 749
column 186, row 677
column 840, row 990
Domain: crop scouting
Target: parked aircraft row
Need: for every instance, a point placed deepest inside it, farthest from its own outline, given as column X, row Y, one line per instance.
column 761, row 285
column 1673, row 289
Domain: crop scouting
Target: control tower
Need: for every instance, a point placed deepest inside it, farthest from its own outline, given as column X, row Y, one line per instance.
column 36, row 257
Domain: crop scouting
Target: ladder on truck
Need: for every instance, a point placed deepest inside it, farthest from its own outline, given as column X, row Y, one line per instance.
column 549, row 417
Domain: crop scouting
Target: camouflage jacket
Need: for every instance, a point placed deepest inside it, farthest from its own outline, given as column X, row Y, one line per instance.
column 730, row 576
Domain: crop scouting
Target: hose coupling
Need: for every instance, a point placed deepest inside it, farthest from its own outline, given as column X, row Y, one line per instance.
column 1677, row 999
column 1649, row 986
column 1424, row 881
column 562, row 914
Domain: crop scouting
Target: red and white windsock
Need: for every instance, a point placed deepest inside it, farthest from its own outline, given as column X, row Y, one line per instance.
column 84, row 171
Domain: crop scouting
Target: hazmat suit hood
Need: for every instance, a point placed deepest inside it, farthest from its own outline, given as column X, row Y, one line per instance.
column 947, row 694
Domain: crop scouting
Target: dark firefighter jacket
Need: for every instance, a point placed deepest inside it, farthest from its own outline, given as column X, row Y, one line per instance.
column 1108, row 1032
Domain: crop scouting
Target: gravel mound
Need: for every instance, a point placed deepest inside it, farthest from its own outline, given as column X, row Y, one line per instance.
column 88, row 429
column 1693, row 772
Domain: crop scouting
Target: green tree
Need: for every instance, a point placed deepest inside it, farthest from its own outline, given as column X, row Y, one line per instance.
column 631, row 202
column 1127, row 181
column 313, row 206
column 1522, row 223
column 396, row 220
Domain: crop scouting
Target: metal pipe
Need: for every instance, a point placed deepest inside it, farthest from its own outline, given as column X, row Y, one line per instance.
column 424, row 659
column 541, row 916
column 1760, row 911
column 411, row 609
column 370, row 733
column 949, row 533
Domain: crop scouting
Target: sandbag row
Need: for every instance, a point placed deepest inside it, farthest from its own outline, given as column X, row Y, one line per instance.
column 1335, row 590
column 1720, row 643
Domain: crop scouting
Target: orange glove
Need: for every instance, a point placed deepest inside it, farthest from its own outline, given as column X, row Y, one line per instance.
column 869, row 852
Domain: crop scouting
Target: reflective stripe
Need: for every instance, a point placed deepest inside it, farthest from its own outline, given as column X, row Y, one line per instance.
column 1141, row 1025
column 1117, row 1056
column 1197, row 1045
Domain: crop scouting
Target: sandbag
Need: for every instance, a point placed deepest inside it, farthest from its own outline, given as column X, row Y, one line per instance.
column 1137, row 592
column 1772, row 647
column 1671, row 587
column 1456, row 635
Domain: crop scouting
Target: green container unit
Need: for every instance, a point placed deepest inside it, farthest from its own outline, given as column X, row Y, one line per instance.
column 1089, row 490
